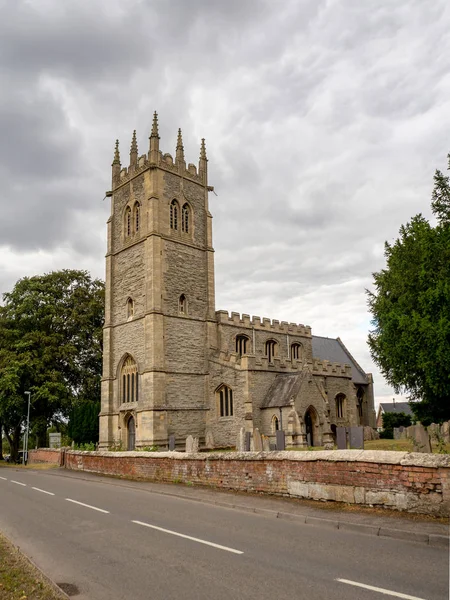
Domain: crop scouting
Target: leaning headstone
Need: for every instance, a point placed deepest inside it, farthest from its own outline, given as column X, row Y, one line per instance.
column 281, row 440
column 341, row 438
column 240, row 440
column 195, row 445
column 356, row 437
column 209, row 440
column 248, row 439
column 421, row 439
column 266, row 443
column 446, row 431
column 189, row 444
column 171, row 442
column 257, row 441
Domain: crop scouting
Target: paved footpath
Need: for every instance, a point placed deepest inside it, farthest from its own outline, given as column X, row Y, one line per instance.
column 108, row 538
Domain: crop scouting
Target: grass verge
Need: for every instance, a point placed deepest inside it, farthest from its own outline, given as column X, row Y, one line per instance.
column 20, row 579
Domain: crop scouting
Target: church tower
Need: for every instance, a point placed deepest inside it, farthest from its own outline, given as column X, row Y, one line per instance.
column 159, row 304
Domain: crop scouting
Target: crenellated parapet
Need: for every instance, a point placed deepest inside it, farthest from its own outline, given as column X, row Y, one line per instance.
column 250, row 362
column 156, row 159
column 264, row 324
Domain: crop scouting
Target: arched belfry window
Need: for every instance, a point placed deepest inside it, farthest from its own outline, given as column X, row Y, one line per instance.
column 137, row 216
column 130, row 308
column 224, row 396
column 340, row 406
column 242, row 344
column 271, row 349
column 182, row 305
column 174, row 212
column 296, row 351
column 129, row 381
column 128, row 221
column 185, row 218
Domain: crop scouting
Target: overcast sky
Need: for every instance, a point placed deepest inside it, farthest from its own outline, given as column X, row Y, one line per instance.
column 324, row 122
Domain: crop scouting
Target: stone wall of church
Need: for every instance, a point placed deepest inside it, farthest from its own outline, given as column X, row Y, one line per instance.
column 184, row 190
column 128, row 281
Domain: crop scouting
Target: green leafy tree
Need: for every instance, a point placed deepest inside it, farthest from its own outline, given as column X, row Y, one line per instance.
column 50, row 345
column 410, row 341
column 83, row 423
column 391, row 420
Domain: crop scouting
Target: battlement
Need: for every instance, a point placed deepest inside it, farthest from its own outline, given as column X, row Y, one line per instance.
column 265, row 324
column 156, row 159
column 251, row 362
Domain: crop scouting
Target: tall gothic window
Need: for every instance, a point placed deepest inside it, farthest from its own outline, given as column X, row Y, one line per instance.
column 296, row 351
column 185, row 218
column 129, row 381
column 275, row 424
column 360, row 400
column 271, row 349
column 241, row 344
column 174, row 210
column 137, row 216
column 128, row 221
column 340, row 406
column 225, row 401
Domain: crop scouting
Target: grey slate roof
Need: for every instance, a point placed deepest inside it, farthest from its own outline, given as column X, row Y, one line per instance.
column 284, row 387
column 334, row 350
column 398, row 407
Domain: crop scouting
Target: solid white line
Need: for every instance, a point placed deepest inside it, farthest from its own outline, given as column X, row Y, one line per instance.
column 380, row 590
column 43, row 491
column 18, row 482
column 4, row 478
column 87, row 505
column 188, row 537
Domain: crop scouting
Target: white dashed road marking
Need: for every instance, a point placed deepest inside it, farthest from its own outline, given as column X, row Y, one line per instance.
column 88, row 506
column 188, row 537
column 380, row 590
column 4, row 478
column 18, row 482
column 43, row 491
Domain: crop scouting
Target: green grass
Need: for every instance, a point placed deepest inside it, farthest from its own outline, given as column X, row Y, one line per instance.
column 19, row 579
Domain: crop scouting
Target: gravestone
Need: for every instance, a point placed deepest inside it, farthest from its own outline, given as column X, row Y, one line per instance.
column 248, row 438
column 54, row 440
column 281, row 440
column 257, row 441
column 356, row 436
column 195, row 445
column 171, row 442
column 209, row 440
column 190, row 444
column 266, row 443
column 446, row 431
column 341, row 438
column 240, row 440
column 421, row 439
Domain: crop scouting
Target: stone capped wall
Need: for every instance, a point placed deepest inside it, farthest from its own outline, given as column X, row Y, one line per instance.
column 403, row 481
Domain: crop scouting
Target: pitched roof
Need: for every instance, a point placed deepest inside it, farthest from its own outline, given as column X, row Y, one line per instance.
column 398, row 407
column 284, row 387
column 334, row 350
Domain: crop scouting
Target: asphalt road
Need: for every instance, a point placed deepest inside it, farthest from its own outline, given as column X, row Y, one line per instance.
column 119, row 542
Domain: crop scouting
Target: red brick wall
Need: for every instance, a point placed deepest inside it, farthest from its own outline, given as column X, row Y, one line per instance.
column 46, row 455
column 412, row 482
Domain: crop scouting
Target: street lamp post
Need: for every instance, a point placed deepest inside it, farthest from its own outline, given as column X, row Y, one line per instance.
column 27, row 431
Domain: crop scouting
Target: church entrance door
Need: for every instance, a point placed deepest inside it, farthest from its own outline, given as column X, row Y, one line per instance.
column 309, row 429
column 131, row 434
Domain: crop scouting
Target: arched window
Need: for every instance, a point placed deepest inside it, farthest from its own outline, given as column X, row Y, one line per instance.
column 137, row 216
column 185, row 224
column 275, row 424
column 174, row 210
column 271, row 349
column 340, row 406
column 225, row 401
column 130, row 381
column 242, row 344
column 130, row 308
column 296, row 351
column 128, row 222
column 359, row 401
column 182, row 305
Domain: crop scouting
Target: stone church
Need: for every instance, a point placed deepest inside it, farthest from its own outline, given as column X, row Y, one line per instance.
column 172, row 364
